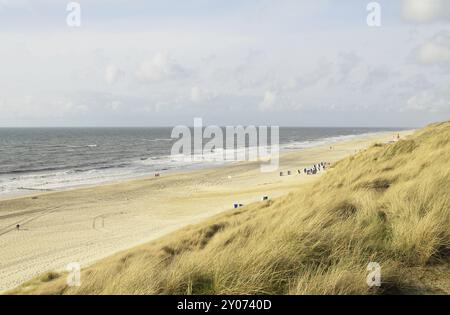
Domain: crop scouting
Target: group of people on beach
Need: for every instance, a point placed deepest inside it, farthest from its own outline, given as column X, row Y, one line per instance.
column 315, row 168
column 310, row 170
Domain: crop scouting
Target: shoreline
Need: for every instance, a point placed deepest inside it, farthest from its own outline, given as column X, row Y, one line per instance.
column 31, row 192
column 90, row 223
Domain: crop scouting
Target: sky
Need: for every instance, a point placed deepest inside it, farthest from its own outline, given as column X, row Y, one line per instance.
column 250, row 62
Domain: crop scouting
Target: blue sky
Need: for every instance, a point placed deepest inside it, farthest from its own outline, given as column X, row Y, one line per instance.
column 161, row 63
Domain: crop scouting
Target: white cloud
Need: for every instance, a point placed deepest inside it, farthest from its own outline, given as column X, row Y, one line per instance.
column 323, row 70
column 281, row 101
column 436, row 50
column 160, row 67
column 114, row 105
column 425, row 11
column 269, row 101
column 31, row 107
column 196, row 94
column 432, row 101
column 347, row 62
column 377, row 75
column 112, row 74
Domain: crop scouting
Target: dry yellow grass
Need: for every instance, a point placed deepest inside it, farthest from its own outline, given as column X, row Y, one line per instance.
column 388, row 204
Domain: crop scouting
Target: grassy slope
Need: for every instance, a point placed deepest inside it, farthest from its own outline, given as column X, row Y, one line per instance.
column 389, row 204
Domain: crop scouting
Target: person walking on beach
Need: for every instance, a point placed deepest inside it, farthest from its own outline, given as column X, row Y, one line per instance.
column 18, row 227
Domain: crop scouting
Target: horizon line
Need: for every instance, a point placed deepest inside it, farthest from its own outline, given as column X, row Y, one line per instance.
column 190, row 126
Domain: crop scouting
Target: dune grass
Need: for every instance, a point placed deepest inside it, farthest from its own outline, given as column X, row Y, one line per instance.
column 389, row 204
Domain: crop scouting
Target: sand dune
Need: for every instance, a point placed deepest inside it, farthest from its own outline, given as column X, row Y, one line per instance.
column 87, row 224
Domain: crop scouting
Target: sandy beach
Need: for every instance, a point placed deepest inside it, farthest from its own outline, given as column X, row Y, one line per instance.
column 86, row 224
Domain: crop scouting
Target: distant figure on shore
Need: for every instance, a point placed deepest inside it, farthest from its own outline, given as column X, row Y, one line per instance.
column 396, row 137
column 18, row 227
column 157, row 174
column 315, row 168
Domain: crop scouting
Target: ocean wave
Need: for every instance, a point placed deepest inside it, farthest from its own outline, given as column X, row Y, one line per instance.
column 81, row 146
column 64, row 168
column 160, row 139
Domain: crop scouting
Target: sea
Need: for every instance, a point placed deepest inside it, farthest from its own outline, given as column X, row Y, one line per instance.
column 52, row 159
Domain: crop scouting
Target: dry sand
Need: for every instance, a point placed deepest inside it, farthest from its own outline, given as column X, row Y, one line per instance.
column 84, row 225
